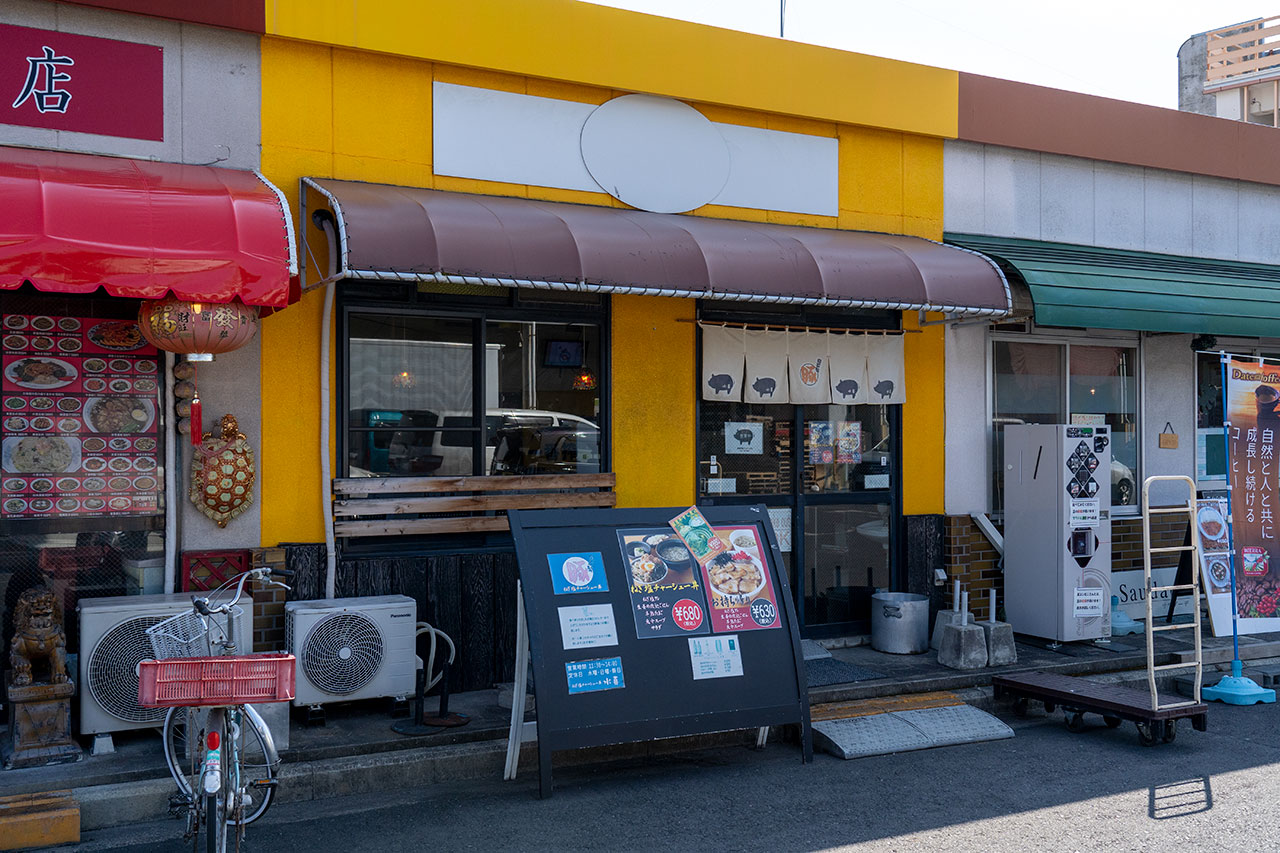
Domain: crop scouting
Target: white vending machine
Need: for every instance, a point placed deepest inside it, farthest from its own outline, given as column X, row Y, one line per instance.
column 1057, row 530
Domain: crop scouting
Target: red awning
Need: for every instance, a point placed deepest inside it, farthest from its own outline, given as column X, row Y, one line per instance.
column 72, row 223
column 405, row 234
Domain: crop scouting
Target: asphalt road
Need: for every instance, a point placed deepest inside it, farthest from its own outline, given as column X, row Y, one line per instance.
column 1045, row 789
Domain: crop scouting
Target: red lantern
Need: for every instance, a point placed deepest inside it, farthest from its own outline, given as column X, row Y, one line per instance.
column 199, row 330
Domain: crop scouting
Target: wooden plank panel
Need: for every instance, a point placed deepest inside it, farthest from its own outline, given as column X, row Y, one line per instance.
column 1217, row 43
column 413, row 526
column 476, row 649
column 471, row 503
column 1074, row 691
column 504, row 616
column 882, row 705
column 444, row 599
column 347, row 579
column 307, row 562
column 1242, row 67
column 410, row 485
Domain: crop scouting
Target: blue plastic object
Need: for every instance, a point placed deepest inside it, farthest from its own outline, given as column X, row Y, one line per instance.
column 1122, row 623
column 1234, row 689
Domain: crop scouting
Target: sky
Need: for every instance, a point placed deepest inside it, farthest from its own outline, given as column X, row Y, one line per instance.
column 1126, row 49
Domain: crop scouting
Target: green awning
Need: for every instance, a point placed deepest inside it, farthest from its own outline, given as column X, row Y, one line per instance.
column 1089, row 287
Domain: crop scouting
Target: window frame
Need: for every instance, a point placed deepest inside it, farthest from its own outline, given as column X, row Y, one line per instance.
column 1066, row 337
column 358, row 298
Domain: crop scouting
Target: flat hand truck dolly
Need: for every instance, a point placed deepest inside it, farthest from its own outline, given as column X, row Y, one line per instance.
column 1155, row 714
column 1078, row 696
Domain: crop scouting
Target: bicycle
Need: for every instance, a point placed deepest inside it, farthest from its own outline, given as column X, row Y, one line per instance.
column 216, row 746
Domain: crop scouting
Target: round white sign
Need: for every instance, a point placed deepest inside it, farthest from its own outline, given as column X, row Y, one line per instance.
column 654, row 153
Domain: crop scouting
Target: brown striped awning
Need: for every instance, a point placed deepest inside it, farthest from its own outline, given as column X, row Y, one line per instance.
column 407, row 234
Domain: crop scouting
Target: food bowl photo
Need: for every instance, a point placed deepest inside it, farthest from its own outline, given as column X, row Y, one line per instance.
column 743, row 540
column 1219, row 574
column 738, row 580
column 646, row 570
column 675, row 554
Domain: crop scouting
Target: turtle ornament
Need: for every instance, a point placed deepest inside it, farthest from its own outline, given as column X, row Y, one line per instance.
column 222, row 473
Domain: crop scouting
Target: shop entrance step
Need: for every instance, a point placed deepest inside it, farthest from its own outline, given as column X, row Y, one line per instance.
column 902, row 724
column 38, row 820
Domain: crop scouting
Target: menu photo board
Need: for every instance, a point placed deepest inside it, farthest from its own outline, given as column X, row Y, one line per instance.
column 79, row 418
column 652, row 623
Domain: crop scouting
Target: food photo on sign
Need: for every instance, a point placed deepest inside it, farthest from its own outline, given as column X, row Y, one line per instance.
column 666, row 592
column 733, row 568
column 79, row 411
column 738, row 585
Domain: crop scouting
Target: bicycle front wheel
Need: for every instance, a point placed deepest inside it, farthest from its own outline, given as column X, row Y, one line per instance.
column 185, row 730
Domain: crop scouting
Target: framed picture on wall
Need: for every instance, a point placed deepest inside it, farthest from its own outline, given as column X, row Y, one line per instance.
column 563, row 354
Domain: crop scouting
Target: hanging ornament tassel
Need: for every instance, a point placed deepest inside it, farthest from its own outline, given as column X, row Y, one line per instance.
column 197, row 428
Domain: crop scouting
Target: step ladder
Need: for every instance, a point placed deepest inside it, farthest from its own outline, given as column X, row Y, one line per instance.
column 1193, row 588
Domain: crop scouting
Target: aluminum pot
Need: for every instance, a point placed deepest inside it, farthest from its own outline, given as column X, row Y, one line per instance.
column 900, row 623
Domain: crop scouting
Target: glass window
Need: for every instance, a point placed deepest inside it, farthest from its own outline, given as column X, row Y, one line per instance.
column 414, row 382
column 543, row 412
column 1054, row 383
column 847, row 448
column 1211, row 453
column 1104, row 383
column 407, row 374
column 846, row 548
column 744, row 449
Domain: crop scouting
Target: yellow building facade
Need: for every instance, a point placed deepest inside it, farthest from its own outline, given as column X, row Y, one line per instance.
column 347, row 94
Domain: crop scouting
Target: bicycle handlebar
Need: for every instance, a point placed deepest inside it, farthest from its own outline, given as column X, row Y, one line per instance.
column 260, row 573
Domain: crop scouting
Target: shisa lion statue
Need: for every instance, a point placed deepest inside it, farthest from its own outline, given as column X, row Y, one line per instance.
column 38, row 636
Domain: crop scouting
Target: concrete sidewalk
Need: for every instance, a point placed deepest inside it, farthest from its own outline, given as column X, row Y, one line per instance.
column 358, row 750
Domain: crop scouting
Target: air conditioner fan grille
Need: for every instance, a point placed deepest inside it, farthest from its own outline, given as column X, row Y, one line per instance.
column 112, row 673
column 342, row 653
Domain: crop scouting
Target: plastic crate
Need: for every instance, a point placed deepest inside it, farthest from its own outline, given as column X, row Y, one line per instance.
column 225, row 680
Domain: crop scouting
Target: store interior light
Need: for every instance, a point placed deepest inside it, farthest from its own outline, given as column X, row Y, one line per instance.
column 403, row 379
column 585, row 380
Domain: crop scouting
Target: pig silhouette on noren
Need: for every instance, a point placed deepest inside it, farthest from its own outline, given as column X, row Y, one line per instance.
column 721, row 382
column 744, row 436
column 847, row 388
column 765, row 385
column 884, row 388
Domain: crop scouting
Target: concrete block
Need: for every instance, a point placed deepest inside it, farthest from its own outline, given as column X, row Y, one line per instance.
column 38, row 820
column 506, row 692
column 1001, row 650
column 963, row 646
column 945, row 617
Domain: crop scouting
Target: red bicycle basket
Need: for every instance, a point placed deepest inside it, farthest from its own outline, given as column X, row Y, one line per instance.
column 225, row 680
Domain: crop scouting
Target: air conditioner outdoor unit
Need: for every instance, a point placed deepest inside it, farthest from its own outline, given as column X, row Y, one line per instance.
column 352, row 648
column 112, row 642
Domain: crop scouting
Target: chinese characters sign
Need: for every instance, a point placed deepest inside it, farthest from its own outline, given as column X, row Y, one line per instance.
column 1253, row 400
column 64, row 81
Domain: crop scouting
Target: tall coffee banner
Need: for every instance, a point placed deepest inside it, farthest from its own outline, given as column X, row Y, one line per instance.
column 1253, row 406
